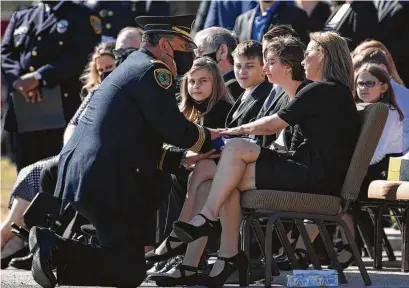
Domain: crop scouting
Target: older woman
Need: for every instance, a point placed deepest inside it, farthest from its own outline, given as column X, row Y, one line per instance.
column 317, row 164
column 27, row 185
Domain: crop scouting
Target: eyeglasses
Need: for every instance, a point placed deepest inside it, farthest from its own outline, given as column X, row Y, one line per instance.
column 367, row 84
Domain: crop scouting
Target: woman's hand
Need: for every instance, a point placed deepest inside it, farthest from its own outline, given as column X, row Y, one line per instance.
column 233, row 131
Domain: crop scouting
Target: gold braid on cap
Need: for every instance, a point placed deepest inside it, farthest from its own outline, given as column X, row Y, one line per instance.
column 200, row 141
column 181, row 31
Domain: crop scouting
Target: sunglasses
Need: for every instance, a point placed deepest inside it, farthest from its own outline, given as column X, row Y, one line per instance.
column 367, row 84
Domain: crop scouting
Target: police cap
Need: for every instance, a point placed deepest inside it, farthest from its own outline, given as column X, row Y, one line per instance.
column 178, row 25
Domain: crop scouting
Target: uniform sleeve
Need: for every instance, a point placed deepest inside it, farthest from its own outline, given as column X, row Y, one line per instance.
column 72, row 62
column 171, row 158
column 159, row 106
column 9, row 54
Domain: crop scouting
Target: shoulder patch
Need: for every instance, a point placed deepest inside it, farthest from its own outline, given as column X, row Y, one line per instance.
column 156, row 61
column 96, row 24
column 163, row 77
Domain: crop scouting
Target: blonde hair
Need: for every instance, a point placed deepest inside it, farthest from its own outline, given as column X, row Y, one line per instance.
column 90, row 77
column 379, row 45
column 219, row 89
column 337, row 65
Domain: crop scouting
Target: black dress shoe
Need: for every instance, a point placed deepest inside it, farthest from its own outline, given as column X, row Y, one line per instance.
column 151, row 256
column 14, row 248
column 189, row 233
column 42, row 242
column 23, row 263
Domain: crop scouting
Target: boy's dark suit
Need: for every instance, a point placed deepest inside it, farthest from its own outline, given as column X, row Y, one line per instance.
column 249, row 109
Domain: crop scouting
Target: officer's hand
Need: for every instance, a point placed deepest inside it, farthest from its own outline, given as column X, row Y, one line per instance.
column 26, row 83
column 193, row 158
column 34, row 95
column 214, row 133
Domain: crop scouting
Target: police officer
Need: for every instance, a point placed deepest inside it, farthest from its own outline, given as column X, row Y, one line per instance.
column 108, row 168
column 116, row 15
column 46, row 46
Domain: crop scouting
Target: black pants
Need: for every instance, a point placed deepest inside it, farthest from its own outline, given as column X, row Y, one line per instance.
column 119, row 261
column 171, row 206
column 34, row 146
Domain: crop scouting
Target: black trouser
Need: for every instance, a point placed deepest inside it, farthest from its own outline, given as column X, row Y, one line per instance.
column 120, row 259
column 34, row 146
column 170, row 208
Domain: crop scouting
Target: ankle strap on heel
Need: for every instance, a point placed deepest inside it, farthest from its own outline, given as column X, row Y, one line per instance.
column 210, row 222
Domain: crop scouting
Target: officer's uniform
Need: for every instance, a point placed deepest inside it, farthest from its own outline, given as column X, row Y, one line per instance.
column 116, row 15
column 57, row 49
column 108, row 168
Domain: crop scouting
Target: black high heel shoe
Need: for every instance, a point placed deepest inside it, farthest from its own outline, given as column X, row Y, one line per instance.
column 237, row 262
column 346, row 264
column 189, row 233
column 151, row 256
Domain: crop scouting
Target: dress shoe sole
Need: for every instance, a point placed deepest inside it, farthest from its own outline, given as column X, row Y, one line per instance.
column 166, row 281
column 40, row 274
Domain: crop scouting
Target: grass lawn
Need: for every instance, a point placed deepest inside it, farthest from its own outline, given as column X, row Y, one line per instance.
column 8, row 178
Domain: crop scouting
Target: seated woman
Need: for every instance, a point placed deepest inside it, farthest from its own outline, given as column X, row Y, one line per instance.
column 204, row 100
column 373, row 85
column 316, row 165
column 27, row 185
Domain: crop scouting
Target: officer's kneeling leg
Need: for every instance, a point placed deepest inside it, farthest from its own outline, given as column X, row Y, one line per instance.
column 119, row 262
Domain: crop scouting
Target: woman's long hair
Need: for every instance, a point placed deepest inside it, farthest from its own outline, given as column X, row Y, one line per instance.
column 219, row 89
column 337, row 65
column 379, row 45
column 389, row 96
column 90, row 77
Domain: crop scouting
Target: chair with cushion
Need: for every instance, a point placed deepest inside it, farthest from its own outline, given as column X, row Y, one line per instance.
column 382, row 196
column 319, row 209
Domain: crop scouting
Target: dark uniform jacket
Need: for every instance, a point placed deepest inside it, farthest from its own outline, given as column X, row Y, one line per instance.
column 232, row 85
column 58, row 48
column 248, row 110
column 116, row 15
column 283, row 14
column 111, row 159
column 318, row 17
column 394, row 33
column 359, row 24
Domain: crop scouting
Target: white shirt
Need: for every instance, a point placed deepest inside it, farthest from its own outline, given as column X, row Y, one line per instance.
column 402, row 99
column 391, row 138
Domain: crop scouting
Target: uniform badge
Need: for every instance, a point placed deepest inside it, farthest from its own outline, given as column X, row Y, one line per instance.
column 20, row 30
column 96, row 24
column 62, row 26
column 163, row 77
